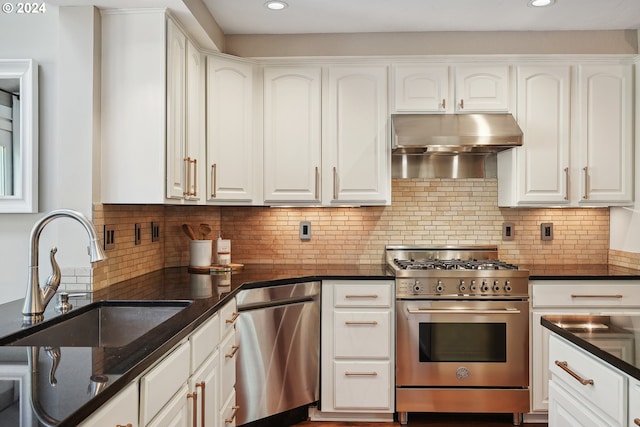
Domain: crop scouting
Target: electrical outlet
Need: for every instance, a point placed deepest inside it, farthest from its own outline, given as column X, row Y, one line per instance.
column 137, row 238
column 546, row 231
column 109, row 237
column 155, row 232
column 305, row 230
column 508, row 231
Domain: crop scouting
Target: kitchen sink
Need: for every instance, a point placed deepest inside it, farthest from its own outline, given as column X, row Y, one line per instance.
column 109, row 324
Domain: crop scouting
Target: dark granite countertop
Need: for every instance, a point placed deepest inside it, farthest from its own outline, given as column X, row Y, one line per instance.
column 580, row 272
column 595, row 334
column 69, row 402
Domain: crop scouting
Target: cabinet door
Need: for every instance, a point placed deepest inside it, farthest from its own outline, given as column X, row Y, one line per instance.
column 228, row 351
column 421, row 88
column 605, row 135
column 204, row 383
column 566, row 411
column 292, row 138
column 231, row 152
column 358, row 166
column 539, row 363
column 542, row 166
column 482, row 88
column 176, row 81
column 634, row 403
column 195, row 123
column 175, row 413
column 122, row 409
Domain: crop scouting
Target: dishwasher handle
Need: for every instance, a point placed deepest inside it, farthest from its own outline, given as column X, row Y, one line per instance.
column 277, row 302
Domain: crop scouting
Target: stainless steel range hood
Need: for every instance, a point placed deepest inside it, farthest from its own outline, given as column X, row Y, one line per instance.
column 450, row 145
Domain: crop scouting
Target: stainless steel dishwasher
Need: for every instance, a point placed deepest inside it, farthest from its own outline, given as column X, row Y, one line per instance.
column 278, row 332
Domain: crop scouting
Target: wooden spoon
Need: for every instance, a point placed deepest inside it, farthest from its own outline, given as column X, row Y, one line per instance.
column 189, row 231
column 205, row 230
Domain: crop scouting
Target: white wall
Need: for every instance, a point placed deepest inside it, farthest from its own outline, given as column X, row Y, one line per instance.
column 61, row 41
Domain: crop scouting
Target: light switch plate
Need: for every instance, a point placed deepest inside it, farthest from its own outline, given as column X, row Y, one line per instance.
column 305, row 230
column 546, row 231
column 508, row 231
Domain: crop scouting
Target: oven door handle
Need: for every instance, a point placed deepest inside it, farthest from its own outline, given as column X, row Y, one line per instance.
column 418, row 310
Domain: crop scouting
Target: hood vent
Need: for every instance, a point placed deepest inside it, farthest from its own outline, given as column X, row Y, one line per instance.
column 454, row 133
column 450, row 145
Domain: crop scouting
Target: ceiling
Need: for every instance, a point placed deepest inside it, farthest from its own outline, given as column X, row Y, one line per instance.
column 356, row 16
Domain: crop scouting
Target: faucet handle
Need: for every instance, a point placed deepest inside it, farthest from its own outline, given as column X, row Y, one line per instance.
column 63, row 306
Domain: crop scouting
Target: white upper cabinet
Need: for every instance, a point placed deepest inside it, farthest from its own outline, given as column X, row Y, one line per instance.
column 577, row 149
column 464, row 88
column 605, row 134
column 537, row 172
column 292, row 134
column 421, row 88
column 149, row 83
column 356, row 154
column 233, row 161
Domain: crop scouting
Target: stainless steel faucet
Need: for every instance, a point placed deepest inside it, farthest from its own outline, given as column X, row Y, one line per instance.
column 36, row 299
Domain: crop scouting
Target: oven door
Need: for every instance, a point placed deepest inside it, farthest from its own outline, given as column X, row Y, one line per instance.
column 462, row 343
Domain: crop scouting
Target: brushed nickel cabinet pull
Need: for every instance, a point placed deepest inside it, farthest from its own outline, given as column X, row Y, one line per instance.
column 444, row 104
column 335, row 183
column 317, row 186
column 372, row 296
column 617, row 296
column 462, row 104
column 187, row 190
column 234, row 350
column 564, row 366
column 194, row 419
column 233, row 415
column 351, row 322
column 636, row 421
column 586, row 182
column 566, row 183
column 360, row 374
column 214, row 180
column 233, row 318
column 203, row 407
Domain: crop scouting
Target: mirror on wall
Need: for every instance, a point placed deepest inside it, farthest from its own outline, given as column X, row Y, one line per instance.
column 18, row 136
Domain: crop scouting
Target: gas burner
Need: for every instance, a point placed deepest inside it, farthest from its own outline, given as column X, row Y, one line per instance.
column 453, row 264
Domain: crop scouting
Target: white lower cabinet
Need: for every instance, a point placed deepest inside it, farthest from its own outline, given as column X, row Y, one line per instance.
column 584, row 390
column 175, row 413
column 357, row 356
column 634, row 403
column 122, row 409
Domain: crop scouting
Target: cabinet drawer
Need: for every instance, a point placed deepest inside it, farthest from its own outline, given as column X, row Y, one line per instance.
column 600, row 295
column 228, row 315
column 634, row 403
column 204, row 341
column 608, row 392
column 567, row 411
column 362, row 334
column 228, row 411
column 162, row 382
column 363, row 295
column 362, row 385
column 228, row 356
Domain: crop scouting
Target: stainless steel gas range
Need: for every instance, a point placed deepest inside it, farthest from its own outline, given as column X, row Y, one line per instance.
column 462, row 331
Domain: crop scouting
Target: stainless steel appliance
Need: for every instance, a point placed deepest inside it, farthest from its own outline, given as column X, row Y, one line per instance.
column 278, row 368
column 462, row 331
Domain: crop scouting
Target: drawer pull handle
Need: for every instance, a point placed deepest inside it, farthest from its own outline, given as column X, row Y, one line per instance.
column 617, row 296
column 361, row 296
column 122, row 425
column 233, row 318
column 636, row 421
column 564, row 366
column 233, row 415
column 360, row 374
column 234, row 350
column 371, row 322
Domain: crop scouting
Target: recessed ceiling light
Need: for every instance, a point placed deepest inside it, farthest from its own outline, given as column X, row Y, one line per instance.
column 540, row 3
column 276, row 5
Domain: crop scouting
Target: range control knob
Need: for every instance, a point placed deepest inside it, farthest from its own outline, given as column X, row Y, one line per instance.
column 439, row 286
column 473, row 287
column 417, row 287
column 485, row 286
column 462, row 287
column 507, row 286
column 496, row 286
